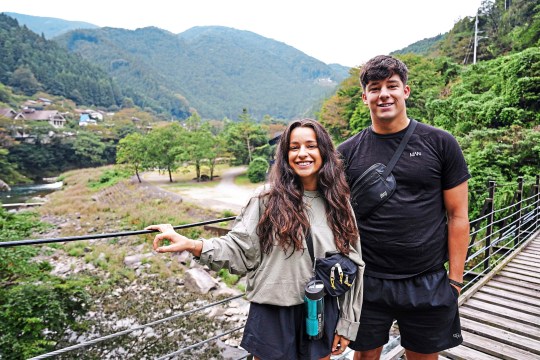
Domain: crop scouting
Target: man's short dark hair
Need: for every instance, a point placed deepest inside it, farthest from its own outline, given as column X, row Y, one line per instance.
column 382, row 67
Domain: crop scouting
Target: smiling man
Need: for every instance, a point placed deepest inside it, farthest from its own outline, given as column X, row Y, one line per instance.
column 408, row 239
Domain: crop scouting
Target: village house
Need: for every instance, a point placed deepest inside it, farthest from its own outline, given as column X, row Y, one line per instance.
column 53, row 117
column 89, row 117
column 20, row 132
column 8, row 113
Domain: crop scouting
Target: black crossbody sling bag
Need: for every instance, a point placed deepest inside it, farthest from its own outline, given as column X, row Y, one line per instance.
column 377, row 183
column 335, row 270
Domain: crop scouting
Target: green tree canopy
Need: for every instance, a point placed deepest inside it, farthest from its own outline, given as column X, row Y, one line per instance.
column 133, row 151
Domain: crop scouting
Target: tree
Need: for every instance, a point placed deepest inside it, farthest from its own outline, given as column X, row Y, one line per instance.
column 89, row 148
column 9, row 170
column 23, row 79
column 198, row 142
column 132, row 150
column 218, row 149
column 166, row 145
column 243, row 137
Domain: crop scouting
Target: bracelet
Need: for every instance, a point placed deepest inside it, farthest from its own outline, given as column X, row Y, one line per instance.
column 456, row 283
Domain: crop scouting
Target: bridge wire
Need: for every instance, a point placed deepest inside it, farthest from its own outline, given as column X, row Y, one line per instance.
column 200, row 343
column 124, row 332
column 101, row 236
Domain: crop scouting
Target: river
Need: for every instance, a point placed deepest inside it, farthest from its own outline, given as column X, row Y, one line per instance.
column 23, row 193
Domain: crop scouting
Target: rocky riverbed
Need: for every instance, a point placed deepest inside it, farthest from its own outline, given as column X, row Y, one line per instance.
column 130, row 285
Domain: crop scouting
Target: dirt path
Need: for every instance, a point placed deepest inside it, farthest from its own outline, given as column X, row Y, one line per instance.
column 225, row 196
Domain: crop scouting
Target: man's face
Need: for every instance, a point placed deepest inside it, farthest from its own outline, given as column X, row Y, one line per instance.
column 386, row 98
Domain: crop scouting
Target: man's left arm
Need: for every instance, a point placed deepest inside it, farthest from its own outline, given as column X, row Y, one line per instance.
column 457, row 209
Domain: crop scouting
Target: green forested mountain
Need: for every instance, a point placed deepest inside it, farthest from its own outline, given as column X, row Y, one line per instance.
column 30, row 63
column 218, row 70
column 49, row 27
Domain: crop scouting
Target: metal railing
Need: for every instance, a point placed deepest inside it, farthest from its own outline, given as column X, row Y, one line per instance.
column 499, row 231
column 494, row 235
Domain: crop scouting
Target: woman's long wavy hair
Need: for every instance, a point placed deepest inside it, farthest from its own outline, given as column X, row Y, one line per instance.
column 284, row 221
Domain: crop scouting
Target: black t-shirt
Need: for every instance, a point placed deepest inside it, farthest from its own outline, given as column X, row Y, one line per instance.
column 407, row 235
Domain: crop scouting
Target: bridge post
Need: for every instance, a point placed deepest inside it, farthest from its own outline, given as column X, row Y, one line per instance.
column 537, row 202
column 489, row 229
column 517, row 237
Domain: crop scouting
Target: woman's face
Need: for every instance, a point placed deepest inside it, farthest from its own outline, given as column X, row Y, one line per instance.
column 304, row 156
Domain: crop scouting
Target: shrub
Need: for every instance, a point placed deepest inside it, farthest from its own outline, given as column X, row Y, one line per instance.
column 257, row 170
column 109, row 178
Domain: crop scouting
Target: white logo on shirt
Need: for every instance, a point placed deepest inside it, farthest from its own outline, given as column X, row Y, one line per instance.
column 415, row 153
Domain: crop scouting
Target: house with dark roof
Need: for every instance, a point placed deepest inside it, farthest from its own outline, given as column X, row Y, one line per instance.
column 53, row 117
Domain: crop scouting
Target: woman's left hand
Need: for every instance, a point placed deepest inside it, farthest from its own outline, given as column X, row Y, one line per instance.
column 340, row 344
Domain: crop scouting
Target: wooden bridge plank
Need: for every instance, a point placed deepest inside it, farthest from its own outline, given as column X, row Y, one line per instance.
column 501, row 336
column 529, row 255
column 533, row 264
column 497, row 349
column 517, row 270
column 532, row 249
column 514, row 282
column 465, row 353
column 516, row 288
column 394, row 354
column 532, row 280
column 500, row 322
column 511, row 304
column 503, row 294
column 527, row 266
column 503, row 311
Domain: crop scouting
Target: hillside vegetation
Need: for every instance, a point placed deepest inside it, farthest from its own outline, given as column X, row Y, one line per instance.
column 492, row 107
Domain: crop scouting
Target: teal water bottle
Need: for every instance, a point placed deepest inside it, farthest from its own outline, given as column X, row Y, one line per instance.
column 314, row 300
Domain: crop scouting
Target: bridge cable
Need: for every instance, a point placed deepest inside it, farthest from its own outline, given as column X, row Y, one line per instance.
column 200, row 343
column 124, row 332
column 101, row 236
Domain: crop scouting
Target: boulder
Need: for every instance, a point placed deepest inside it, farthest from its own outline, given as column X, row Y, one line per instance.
column 199, row 281
column 4, row 186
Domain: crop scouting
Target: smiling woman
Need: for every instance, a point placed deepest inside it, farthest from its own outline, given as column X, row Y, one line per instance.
column 307, row 194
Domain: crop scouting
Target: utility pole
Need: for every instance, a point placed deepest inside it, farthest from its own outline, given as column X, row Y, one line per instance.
column 475, row 38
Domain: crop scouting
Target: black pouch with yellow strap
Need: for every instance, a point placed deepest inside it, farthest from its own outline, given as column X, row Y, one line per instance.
column 335, row 270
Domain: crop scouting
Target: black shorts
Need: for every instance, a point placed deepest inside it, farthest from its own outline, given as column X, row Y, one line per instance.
column 424, row 306
column 278, row 332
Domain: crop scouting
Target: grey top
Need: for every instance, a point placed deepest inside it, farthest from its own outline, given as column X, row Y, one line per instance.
column 278, row 278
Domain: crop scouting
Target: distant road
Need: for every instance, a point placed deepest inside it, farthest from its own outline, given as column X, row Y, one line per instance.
column 225, row 196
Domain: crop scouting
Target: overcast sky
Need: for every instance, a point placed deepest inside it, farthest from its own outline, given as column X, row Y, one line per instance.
column 347, row 32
